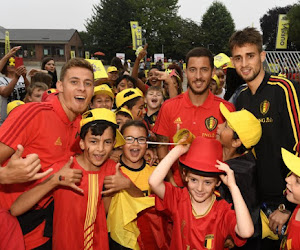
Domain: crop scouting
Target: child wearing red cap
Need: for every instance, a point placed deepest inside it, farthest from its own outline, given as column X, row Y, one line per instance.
column 200, row 221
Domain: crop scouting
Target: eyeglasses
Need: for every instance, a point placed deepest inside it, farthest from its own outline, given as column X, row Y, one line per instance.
column 140, row 140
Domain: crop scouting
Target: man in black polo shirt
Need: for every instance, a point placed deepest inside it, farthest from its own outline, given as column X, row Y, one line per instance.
column 274, row 101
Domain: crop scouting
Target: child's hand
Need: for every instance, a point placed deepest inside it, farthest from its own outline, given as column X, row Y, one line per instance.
column 115, row 183
column 68, row 176
column 143, row 52
column 228, row 179
column 151, row 156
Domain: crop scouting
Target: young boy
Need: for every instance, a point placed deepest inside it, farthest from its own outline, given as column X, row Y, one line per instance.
column 199, row 220
column 238, row 134
column 35, row 92
column 103, row 97
column 292, row 237
column 79, row 213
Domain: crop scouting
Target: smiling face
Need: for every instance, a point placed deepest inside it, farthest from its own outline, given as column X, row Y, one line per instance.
column 199, row 74
column 102, row 101
column 154, row 99
column 248, row 61
column 293, row 188
column 50, row 66
column 152, row 78
column 201, row 188
column 133, row 153
column 76, row 91
column 96, row 148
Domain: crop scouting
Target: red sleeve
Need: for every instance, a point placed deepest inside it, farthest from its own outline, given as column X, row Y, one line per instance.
column 162, row 123
column 229, row 106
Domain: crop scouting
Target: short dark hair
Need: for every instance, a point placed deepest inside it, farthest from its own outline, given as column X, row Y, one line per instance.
column 42, row 77
column 247, row 35
column 200, row 52
column 97, row 128
column 75, row 62
column 241, row 149
column 128, row 78
column 131, row 102
column 134, row 123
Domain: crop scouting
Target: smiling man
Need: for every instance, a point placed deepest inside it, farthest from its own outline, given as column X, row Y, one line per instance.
column 196, row 110
column 274, row 102
column 50, row 130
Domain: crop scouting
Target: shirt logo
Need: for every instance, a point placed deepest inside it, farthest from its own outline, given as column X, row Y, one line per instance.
column 208, row 243
column 211, row 123
column 58, row 142
column 264, row 107
column 178, row 121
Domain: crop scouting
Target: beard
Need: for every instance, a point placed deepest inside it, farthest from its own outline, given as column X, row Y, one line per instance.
column 198, row 92
column 251, row 77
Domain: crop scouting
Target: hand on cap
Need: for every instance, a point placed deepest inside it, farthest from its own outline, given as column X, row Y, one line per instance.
column 228, row 179
column 19, row 170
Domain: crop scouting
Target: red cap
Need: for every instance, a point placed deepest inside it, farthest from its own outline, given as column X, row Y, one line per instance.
column 203, row 155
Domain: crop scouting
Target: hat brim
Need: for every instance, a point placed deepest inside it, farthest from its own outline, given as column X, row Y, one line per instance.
column 201, row 172
column 104, row 92
column 291, row 161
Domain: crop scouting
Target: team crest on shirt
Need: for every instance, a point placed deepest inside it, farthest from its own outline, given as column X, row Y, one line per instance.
column 211, row 123
column 178, row 121
column 264, row 107
column 209, row 241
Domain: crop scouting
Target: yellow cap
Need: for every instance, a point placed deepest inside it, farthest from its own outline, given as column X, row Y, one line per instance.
column 245, row 124
column 12, row 105
column 104, row 89
column 126, row 95
column 125, row 111
column 112, row 69
column 228, row 65
column 102, row 114
column 216, row 78
column 266, row 231
column 291, row 161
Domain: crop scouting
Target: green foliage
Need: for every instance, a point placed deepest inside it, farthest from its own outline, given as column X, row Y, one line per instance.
column 268, row 24
column 217, row 27
column 294, row 18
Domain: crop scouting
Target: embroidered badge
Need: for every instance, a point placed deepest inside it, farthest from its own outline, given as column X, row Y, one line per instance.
column 211, row 123
column 208, row 243
column 264, row 107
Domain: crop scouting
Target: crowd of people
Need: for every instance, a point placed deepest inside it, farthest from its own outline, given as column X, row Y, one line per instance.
column 132, row 161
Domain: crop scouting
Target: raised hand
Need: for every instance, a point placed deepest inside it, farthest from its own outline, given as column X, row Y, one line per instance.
column 143, row 52
column 228, row 179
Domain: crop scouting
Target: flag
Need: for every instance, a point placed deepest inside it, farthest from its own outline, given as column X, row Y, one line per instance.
column 99, row 70
column 72, row 54
column 282, row 32
column 139, row 36
column 7, row 43
column 134, row 25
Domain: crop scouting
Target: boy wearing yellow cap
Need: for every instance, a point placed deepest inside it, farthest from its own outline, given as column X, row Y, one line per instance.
column 240, row 132
column 200, row 221
column 79, row 210
column 291, row 240
column 103, row 97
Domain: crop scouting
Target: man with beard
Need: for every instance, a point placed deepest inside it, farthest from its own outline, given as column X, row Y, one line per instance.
column 274, row 101
column 196, row 110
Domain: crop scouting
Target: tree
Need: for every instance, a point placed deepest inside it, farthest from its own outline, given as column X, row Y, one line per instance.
column 268, row 24
column 294, row 18
column 217, row 27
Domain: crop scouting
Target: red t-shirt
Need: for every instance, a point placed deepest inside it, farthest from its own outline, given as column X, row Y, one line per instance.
column 79, row 219
column 189, row 232
column 201, row 121
column 41, row 128
column 292, row 238
column 11, row 236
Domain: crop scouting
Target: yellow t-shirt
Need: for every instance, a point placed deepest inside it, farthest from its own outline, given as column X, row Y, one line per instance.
column 139, row 176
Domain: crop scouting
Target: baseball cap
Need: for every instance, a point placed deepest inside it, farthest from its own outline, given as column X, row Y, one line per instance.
column 103, row 89
column 216, row 78
column 102, row 114
column 203, row 155
column 12, row 105
column 126, row 95
column 111, row 69
column 245, row 124
column 125, row 111
column 291, row 161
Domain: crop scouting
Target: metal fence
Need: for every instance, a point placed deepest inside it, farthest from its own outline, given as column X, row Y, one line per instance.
column 286, row 63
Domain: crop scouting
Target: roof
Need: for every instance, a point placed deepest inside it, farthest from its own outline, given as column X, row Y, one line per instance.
column 37, row 35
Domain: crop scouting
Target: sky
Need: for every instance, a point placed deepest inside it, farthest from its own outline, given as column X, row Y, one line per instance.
column 72, row 14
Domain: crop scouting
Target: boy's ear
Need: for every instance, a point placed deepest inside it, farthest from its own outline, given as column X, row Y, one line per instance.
column 81, row 144
column 236, row 143
column 218, row 182
column 59, row 86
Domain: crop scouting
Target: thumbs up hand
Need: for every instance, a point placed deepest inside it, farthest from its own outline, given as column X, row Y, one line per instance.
column 19, row 169
column 68, row 176
column 115, row 183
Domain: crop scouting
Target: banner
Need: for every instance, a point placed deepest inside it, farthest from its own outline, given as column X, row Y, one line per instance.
column 99, row 70
column 139, row 36
column 134, row 25
column 87, row 54
column 282, row 32
column 72, row 53
column 7, row 43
